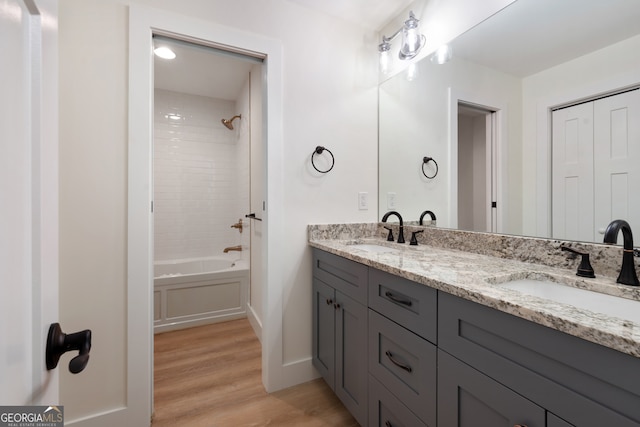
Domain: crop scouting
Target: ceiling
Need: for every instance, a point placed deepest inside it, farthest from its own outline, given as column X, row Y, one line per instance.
column 369, row 13
column 200, row 70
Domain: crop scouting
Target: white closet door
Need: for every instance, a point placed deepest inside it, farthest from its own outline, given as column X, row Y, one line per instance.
column 617, row 160
column 572, row 173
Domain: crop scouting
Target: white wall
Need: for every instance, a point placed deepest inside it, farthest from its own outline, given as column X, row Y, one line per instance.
column 599, row 72
column 201, row 176
column 330, row 98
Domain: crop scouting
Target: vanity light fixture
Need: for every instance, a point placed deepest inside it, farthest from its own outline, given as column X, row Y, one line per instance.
column 412, row 42
column 164, row 52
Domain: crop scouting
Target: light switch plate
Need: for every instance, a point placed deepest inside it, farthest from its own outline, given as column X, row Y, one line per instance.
column 391, row 200
column 363, row 200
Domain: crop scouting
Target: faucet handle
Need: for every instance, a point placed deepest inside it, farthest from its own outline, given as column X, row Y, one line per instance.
column 414, row 240
column 390, row 235
column 584, row 269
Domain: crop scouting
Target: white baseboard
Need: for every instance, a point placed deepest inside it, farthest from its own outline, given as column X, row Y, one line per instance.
column 298, row 372
column 255, row 322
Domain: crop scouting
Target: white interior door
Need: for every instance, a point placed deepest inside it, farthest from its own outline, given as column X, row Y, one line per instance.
column 28, row 200
column 617, row 156
column 572, row 173
column 596, row 150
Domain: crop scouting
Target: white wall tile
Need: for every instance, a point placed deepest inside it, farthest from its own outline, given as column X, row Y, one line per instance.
column 200, row 183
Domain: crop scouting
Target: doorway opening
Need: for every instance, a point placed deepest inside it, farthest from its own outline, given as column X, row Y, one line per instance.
column 207, row 152
column 477, row 198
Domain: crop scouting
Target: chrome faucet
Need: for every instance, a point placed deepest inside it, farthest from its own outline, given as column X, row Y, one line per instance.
column 431, row 214
column 401, row 233
column 627, row 274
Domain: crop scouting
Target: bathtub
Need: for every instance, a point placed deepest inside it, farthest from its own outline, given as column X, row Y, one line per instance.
column 198, row 291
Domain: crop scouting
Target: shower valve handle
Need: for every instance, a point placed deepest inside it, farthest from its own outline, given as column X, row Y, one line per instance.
column 238, row 225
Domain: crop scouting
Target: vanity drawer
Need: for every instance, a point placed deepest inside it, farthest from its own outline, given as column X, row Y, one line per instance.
column 386, row 410
column 407, row 303
column 405, row 363
column 344, row 275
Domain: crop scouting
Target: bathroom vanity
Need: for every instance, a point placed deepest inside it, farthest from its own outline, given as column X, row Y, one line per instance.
column 425, row 336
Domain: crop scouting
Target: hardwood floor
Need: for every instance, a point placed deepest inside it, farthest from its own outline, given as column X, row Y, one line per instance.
column 210, row 376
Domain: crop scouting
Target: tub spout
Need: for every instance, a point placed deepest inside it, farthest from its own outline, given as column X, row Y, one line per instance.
column 232, row 248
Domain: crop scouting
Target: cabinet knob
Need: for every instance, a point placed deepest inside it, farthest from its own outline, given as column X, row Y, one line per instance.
column 388, row 424
column 336, row 305
column 329, row 301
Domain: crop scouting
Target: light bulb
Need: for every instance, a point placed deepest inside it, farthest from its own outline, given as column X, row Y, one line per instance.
column 385, row 62
column 164, row 52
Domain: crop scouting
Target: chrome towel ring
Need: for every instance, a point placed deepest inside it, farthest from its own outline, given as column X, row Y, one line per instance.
column 319, row 150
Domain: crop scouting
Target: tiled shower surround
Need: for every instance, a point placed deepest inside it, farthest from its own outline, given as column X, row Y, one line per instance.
column 200, row 170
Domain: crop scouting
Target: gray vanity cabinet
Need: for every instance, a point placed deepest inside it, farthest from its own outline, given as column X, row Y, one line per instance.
column 467, row 398
column 553, row 421
column 340, row 329
column 401, row 354
column 579, row 383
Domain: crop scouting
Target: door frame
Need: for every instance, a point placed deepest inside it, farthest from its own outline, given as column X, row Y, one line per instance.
column 143, row 23
column 499, row 155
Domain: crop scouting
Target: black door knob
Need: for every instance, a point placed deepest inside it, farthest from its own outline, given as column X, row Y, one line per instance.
column 59, row 343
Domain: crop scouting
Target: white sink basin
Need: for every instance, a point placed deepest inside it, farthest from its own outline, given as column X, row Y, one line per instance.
column 593, row 301
column 370, row 247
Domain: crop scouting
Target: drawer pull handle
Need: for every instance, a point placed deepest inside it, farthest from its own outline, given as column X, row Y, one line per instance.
column 394, row 298
column 329, row 301
column 398, row 364
column 336, row 305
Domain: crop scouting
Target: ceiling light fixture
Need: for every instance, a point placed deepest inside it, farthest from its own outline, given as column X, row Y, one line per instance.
column 412, row 42
column 164, row 52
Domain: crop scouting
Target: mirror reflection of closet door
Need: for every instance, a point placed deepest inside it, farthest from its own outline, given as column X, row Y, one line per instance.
column 617, row 160
column 596, row 153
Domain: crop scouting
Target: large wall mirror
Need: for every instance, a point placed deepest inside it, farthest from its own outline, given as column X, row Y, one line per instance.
column 534, row 124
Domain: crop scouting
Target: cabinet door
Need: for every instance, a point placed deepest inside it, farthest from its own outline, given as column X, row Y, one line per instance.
column 351, row 356
column 324, row 331
column 468, row 398
column 386, row 410
column 553, row 421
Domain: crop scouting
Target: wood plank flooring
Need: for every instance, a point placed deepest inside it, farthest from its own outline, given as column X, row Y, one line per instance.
column 210, row 376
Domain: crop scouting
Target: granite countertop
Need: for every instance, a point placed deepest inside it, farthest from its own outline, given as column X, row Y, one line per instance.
column 477, row 278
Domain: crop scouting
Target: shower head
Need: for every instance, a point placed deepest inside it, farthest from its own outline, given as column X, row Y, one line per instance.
column 229, row 122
